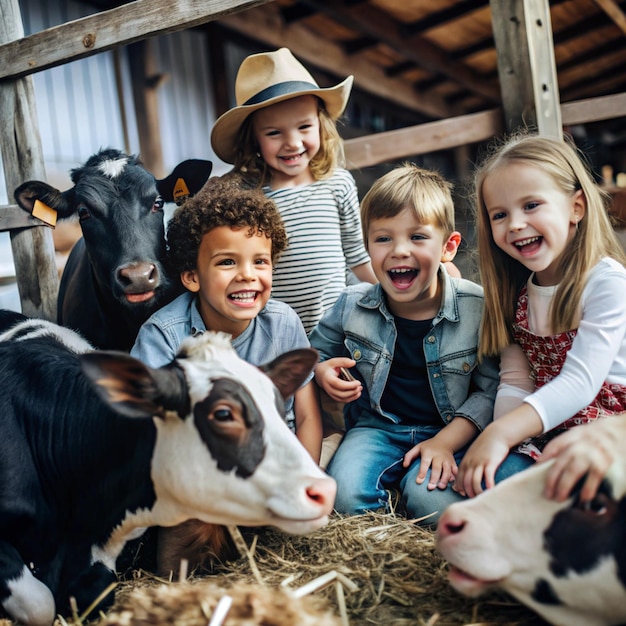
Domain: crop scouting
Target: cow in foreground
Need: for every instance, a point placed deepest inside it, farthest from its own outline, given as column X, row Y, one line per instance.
column 115, row 276
column 565, row 560
column 96, row 447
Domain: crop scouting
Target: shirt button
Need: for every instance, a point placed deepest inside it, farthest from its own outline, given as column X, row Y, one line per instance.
column 466, row 367
column 431, row 339
column 357, row 355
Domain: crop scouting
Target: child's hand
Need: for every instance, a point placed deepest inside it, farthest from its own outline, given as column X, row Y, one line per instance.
column 329, row 378
column 439, row 458
column 588, row 450
column 480, row 463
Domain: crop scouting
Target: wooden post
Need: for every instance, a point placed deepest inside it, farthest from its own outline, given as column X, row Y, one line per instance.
column 522, row 31
column 146, row 83
column 22, row 158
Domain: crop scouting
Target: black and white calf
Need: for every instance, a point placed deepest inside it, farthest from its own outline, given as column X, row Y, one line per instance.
column 565, row 560
column 115, row 276
column 96, row 447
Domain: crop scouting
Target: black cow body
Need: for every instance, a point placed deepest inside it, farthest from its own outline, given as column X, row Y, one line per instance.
column 115, row 276
column 95, row 447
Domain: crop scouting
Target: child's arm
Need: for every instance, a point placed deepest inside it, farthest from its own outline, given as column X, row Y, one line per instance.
column 492, row 446
column 586, row 451
column 329, row 377
column 515, row 380
column 309, row 419
column 437, row 453
column 365, row 273
column 597, row 349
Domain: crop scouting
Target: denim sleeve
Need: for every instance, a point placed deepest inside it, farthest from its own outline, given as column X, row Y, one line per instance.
column 328, row 336
column 153, row 346
column 478, row 408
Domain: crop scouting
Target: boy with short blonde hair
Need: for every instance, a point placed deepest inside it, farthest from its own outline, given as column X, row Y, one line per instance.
column 420, row 394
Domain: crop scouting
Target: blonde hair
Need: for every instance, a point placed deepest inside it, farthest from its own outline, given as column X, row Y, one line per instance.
column 249, row 162
column 426, row 192
column 502, row 276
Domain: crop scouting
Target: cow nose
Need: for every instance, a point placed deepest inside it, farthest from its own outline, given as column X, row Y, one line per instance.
column 322, row 492
column 450, row 525
column 139, row 276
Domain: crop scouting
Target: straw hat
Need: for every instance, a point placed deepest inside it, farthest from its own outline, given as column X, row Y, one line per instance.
column 268, row 78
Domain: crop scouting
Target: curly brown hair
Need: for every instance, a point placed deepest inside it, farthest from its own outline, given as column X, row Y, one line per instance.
column 221, row 202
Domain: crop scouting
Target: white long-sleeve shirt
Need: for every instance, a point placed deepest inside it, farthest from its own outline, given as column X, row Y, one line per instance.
column 598, row 352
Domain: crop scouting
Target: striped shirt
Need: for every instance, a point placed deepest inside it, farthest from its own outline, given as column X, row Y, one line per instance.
column 323, row 227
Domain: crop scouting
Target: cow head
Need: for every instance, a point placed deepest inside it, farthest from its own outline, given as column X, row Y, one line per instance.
column 224, row 453
column 565, row 560
column 120, row 209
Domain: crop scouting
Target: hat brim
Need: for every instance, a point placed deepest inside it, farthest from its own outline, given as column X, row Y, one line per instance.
column 226, row 127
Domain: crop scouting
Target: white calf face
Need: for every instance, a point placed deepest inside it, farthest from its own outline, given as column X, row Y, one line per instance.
column 232, row 459
column 565, row 561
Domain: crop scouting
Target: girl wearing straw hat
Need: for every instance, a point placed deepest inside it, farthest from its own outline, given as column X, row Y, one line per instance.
column 282, row 136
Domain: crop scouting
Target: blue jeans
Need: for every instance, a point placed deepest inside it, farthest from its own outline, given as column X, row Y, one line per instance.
column 368, row 463
column 514, row 463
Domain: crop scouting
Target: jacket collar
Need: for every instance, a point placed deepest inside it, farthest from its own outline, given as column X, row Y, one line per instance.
column 375, row 299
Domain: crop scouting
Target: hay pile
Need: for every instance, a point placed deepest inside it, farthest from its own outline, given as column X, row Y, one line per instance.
column 369, row 569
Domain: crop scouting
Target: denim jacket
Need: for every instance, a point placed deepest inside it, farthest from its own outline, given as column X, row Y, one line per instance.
column 360, row 326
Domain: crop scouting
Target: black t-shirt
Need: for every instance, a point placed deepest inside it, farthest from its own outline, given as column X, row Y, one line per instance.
column 407, row 393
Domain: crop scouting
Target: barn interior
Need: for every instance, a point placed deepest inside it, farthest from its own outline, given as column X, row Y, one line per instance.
column 434, row 79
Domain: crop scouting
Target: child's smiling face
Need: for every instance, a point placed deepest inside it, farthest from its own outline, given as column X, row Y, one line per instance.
column 288, row 134
column 233, row 278
column 406, row 255
column 532, row 219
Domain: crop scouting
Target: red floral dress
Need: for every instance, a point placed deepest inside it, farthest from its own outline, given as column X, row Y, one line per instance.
column 546, row 356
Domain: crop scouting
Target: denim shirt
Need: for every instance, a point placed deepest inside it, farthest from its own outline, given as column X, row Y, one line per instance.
column 274, row 331
column 360, row 326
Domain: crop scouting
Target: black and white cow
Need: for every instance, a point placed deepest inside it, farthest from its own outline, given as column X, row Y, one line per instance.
column 565, row 560
column 115, row 276
column 96, row 447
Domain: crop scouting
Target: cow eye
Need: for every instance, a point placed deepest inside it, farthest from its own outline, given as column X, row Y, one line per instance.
column 83, row 213
column 222, row 415
column 157, row 207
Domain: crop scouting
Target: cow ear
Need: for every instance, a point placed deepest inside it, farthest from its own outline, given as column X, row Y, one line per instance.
column 133, row 389
column 28, row 192
column 193, row 172
column 290, row 370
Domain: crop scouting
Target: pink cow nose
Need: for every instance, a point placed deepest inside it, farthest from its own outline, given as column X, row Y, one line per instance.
column 139, row 276
column 322, row 491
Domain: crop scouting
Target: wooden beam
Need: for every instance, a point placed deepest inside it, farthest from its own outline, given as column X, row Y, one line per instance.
column 370, row 21
column 13, row 217
column 22, row 159
column 594, row 109
column 523, row 34
column 422, row 139
column 145, row 98
column 611, row 8
column 265, row 24
column 108, row 29
column 463, row 130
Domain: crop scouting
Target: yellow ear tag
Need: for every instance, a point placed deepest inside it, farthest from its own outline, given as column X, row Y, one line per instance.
column 44, row 213
column 181, row 191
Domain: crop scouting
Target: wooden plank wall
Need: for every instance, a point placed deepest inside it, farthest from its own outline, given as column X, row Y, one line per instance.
column 19, row 137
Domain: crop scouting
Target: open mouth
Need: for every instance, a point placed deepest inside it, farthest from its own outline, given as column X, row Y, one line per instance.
column 244, row 297
column 528, row 245
column 138, row 298
column 290, row 159
column 402, row 277
column 466, row 583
